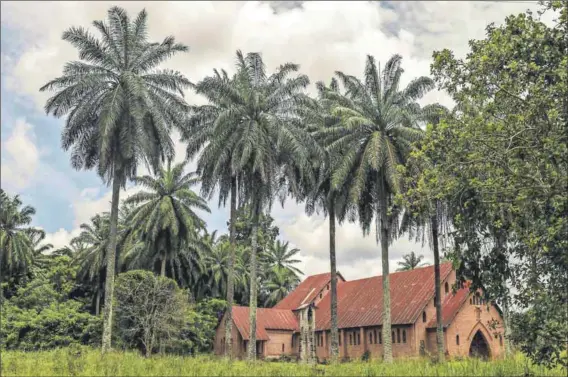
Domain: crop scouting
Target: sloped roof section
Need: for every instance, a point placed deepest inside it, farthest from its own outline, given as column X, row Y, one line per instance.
column 451, row 304
column 360, row 302
column 266, row 319
column 305, row 292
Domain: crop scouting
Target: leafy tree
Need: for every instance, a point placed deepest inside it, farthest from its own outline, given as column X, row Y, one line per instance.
column 410, row 262
column 165, row 224
column 501, row 164
column 150, row 309
column 120, row 110
column 377, row 124
column 41, row 314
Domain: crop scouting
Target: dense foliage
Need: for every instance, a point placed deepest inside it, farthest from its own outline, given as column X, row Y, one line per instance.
column 487, row 180
column 502, row 167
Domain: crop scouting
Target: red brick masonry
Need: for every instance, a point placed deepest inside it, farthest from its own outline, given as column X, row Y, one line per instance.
column 466, row 318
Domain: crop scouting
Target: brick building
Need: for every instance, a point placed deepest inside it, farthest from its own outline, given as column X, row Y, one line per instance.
column 299, row 325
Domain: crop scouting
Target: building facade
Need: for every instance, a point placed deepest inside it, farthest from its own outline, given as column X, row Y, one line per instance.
column 299, row 325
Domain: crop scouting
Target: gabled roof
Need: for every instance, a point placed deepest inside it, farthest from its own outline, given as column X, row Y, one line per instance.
column 305, row 292
column 266, row 319
column 451, row 304
column 360, row 302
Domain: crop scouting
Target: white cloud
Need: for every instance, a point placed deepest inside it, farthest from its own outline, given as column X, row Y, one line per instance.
column 20, row 156
column 321, row 36
column 61, row 237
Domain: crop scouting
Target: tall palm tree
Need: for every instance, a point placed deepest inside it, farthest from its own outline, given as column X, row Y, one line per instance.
column 257, row 126
column 411, row 261
column 120, row 110
column 280, row 257
column 216, row 172
column 322, row 197
column 166, row 226
column 16, row 247
column 428, row 222
column 378, row 123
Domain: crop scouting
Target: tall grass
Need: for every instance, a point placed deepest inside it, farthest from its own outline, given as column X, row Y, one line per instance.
column 90, row 362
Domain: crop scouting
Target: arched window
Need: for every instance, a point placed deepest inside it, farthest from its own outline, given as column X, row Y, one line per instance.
column 321, row 295
column 423, row 316
column 398, row 335
column 403, row 336
column 457, row 340
column 282, row 347
column 447, row 288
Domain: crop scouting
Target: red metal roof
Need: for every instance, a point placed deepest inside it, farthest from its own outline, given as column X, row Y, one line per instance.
column 266, row 319
column 305, row 292
column 450, row 307
column 360, row 302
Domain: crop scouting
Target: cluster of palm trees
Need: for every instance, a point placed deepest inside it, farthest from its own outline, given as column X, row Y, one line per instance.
column 261, row 137
column 199, row 264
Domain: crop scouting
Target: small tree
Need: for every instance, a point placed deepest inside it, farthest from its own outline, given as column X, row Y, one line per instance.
column 150, row 309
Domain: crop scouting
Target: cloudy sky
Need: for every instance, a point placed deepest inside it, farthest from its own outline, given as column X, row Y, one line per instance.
column 321, row 36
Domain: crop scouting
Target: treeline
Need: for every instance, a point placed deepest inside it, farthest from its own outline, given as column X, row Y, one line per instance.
column 484, row 182
column 52, row 297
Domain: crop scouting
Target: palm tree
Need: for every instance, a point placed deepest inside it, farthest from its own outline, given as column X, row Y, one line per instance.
column 428, row 222
column 16, row 247
column 166, row 227
column 378, row 123
column 280, row 282
column 411, row 261
column 215, row 169
column 280, row 257
column 91, row 258
column 257, row 128
column 323, row 197
column 120, row 110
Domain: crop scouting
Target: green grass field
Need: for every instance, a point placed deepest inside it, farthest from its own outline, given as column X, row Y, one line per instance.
column 89, row 362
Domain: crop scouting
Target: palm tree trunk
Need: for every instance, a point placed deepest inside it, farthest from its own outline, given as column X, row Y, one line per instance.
column 98, row 302
column 111, row 253
column 163, row 269
column 333, row 269
column 253, row 293
column 231, row 273
column 387, row 341
column 437, row 293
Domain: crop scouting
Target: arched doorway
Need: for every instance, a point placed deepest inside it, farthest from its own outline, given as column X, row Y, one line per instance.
column 479, row 347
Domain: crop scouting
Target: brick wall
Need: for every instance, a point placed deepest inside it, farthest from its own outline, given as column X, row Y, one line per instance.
column 468, row 321
column 280, row 343
column 219, row 345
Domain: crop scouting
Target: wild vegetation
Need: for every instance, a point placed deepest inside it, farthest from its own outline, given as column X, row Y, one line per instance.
column 484, row 183
column 85, row 362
